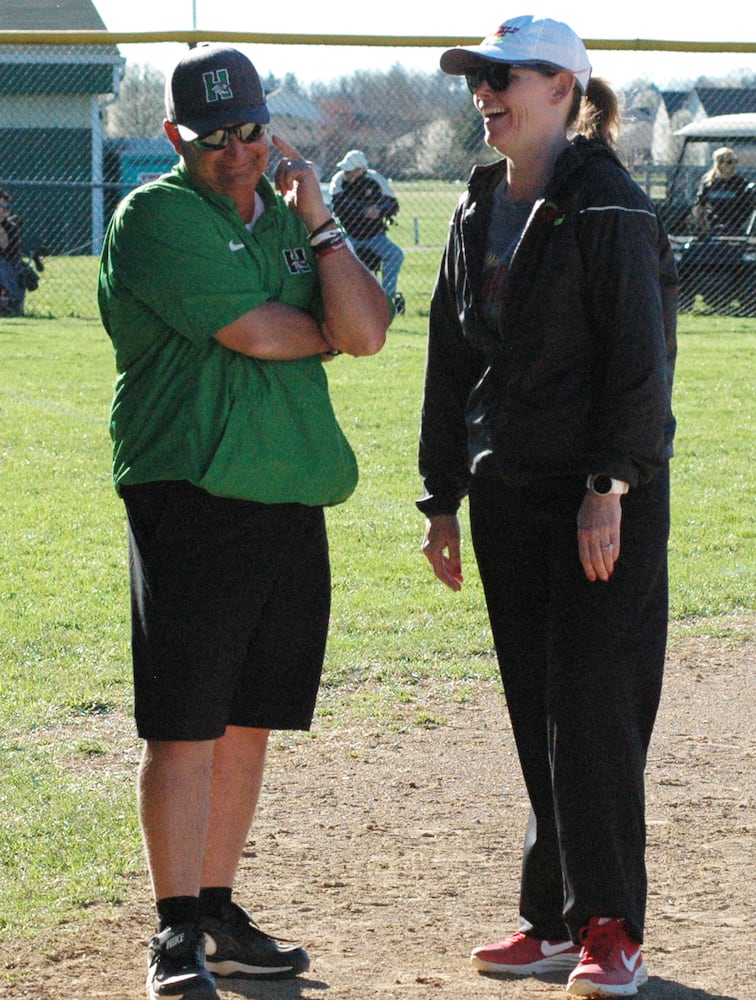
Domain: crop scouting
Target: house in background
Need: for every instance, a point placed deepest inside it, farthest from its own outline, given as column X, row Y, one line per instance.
column 51, row 141
column 726, row 101
column 49, row 15
column 651, row 118
column 711, row 102
column 676, row 109
column 298, row 119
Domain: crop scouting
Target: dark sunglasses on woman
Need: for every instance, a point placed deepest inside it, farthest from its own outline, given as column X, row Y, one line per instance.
column 496, row 75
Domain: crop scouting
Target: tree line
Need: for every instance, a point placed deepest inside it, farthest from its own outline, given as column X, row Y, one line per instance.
column 410, row 124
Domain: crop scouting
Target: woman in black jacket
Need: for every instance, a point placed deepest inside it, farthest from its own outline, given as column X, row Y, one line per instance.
column 547, row 403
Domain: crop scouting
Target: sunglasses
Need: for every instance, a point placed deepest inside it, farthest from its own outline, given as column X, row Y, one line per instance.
column 219, row 139
column 497, row 76
column 729, row 160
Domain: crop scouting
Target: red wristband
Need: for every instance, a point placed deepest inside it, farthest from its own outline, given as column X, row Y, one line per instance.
column 330, row 248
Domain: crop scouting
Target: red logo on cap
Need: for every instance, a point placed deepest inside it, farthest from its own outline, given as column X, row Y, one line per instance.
column 505, row 29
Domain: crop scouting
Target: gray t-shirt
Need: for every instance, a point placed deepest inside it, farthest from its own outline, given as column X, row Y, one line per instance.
column 504, row 231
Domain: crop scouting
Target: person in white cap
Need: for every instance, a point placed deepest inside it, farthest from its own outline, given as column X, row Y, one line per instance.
column 365, row 205
column 547, row 403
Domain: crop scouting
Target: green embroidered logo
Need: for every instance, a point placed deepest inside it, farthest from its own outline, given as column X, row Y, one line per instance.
column 217, row 86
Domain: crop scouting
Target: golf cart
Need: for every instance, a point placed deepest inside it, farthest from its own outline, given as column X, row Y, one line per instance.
column 717, row 265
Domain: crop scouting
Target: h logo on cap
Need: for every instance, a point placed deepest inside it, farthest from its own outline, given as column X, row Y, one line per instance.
column 217, row 86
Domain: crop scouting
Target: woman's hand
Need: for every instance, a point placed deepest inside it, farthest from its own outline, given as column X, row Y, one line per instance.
column 599, row 534
column 441, row 547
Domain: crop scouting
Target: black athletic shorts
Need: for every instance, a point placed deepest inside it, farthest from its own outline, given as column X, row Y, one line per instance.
column 230, row 602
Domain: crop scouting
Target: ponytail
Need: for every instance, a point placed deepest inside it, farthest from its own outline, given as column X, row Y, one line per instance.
column 596, row 113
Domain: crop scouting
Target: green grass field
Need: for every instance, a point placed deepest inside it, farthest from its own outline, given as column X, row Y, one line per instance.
column 68, row 832
column 68, row 285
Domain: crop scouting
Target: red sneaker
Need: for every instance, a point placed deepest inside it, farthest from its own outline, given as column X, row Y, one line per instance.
column 523, row 955
column 611, row 963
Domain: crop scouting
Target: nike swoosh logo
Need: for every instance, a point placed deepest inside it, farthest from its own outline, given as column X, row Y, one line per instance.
column 630, row 963
column 550, row 949
column 235, row 246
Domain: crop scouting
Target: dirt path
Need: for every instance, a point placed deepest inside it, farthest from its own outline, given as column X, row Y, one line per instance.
column 390, row 850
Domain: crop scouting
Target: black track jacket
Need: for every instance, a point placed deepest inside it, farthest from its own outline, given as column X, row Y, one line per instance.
column 578, row 376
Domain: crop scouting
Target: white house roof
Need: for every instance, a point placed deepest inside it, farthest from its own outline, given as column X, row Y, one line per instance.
column 284, row 102
column 720, row 128
column 50, row 15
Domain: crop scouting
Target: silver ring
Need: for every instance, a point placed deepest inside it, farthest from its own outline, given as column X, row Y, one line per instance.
column 296, row 164
column 609, row 546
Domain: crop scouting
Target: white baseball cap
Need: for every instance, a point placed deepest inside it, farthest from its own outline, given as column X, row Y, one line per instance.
column 355, row 159
column 524, row 40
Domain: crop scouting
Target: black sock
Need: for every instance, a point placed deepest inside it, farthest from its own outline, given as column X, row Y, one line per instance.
column 177, row 910
column 213, row 900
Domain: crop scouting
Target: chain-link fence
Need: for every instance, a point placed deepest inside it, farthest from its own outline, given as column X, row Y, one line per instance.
column 81, row 125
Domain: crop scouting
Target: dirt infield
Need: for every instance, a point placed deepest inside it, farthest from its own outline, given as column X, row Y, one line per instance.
column 389, row 850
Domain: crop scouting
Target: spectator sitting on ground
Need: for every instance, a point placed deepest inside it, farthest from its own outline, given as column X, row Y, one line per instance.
column 11, row 291
column 365, row 205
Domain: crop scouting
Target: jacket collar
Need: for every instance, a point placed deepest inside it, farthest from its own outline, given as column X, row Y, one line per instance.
column 485, row 177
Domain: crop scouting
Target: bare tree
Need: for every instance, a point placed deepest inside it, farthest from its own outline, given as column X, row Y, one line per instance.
column 139, row 110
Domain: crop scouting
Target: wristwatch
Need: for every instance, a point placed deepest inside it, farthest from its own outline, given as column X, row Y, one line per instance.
column 602, row 485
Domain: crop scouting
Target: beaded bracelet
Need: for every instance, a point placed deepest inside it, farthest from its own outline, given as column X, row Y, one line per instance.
column 325, row 237
column 322, row 226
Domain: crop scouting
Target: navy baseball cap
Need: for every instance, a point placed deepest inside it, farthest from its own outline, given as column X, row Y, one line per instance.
column 213, row 86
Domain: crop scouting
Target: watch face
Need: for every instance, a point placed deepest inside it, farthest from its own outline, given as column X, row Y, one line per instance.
column 602, row 485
